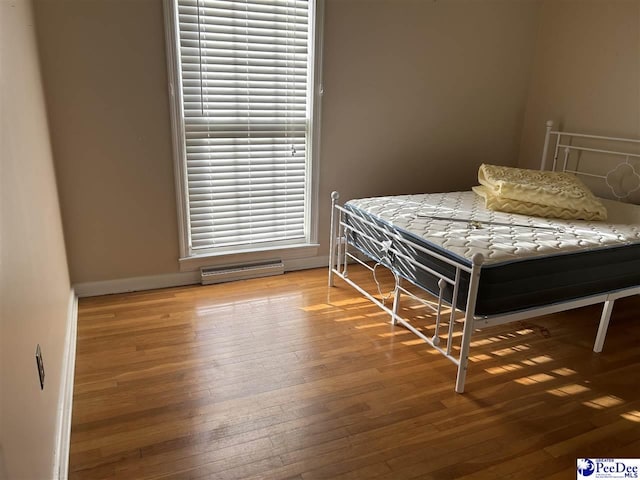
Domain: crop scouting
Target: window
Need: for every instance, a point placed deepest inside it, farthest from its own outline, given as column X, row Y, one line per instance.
column 243, row 82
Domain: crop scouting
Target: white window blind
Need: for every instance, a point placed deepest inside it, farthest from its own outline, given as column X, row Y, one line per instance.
column 244, row 69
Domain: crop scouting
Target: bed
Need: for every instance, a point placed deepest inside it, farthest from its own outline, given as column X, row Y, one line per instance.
column 477, row 267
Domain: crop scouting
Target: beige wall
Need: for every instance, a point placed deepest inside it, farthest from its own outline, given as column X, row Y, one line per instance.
column 417, row 95
column 586, row 73
column 34, row 283
column 105, row 74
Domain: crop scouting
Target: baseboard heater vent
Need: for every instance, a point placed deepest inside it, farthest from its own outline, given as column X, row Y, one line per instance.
column 211, row 275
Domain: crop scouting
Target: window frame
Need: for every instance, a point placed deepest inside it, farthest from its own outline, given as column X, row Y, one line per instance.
column 190, row 259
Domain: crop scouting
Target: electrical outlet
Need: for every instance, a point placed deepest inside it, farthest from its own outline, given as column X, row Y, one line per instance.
column 40, row 364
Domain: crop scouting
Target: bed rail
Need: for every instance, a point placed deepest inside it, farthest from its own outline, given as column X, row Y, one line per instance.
column 625, row 156
column 392, row 245
column 340, row 258
column 446, row 328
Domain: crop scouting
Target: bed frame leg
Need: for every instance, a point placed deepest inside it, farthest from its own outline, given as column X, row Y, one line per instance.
column 604, row 325
column 332, row 236
column 464, row 352
column 396, row 301
column 468, row 321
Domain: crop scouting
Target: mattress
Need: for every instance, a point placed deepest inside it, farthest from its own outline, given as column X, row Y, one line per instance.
column 528, row 261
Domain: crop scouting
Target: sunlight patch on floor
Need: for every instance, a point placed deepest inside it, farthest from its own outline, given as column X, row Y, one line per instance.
column 351, row 301
column 377, row 314
column 604, row 402
column 394, row 333
column 510, row 350
column 533, row 379
column 481, row 342
column 538, row 360
column 371, row 325
column 315, row 308
column 349, row 319
column 510, row 367
column 633, row 415
column 481, row 357
column 567, row 390
column 525, row 331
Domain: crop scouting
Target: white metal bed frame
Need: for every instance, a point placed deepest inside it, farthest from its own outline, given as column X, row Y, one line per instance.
column 340, row 257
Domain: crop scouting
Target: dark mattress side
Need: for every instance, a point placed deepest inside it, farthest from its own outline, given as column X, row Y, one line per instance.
column 507, row 287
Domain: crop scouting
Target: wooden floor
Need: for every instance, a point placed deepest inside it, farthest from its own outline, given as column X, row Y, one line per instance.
column 284, row 378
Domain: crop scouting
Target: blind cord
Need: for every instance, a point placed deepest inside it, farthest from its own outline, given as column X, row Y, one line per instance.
column 246, row 39
column 200, row 58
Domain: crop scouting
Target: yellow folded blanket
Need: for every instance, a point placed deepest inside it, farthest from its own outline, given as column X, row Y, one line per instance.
column 537, row 193
column 495, row 202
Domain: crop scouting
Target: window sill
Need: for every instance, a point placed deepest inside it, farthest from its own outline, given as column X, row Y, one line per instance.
column 286, row 252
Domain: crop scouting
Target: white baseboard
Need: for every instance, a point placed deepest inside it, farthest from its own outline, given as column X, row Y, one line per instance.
column 306, row 263
column 134, row 284
column 65, row 401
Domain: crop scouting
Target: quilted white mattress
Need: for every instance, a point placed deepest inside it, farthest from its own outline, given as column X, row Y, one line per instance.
column 459, row 222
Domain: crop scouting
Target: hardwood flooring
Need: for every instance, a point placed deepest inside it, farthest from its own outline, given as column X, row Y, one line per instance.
column 285, row 378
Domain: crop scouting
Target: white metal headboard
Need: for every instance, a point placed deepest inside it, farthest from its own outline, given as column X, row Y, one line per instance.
column 622, row 179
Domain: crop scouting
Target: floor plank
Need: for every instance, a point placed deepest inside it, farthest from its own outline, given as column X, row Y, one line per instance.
column 285, row 378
